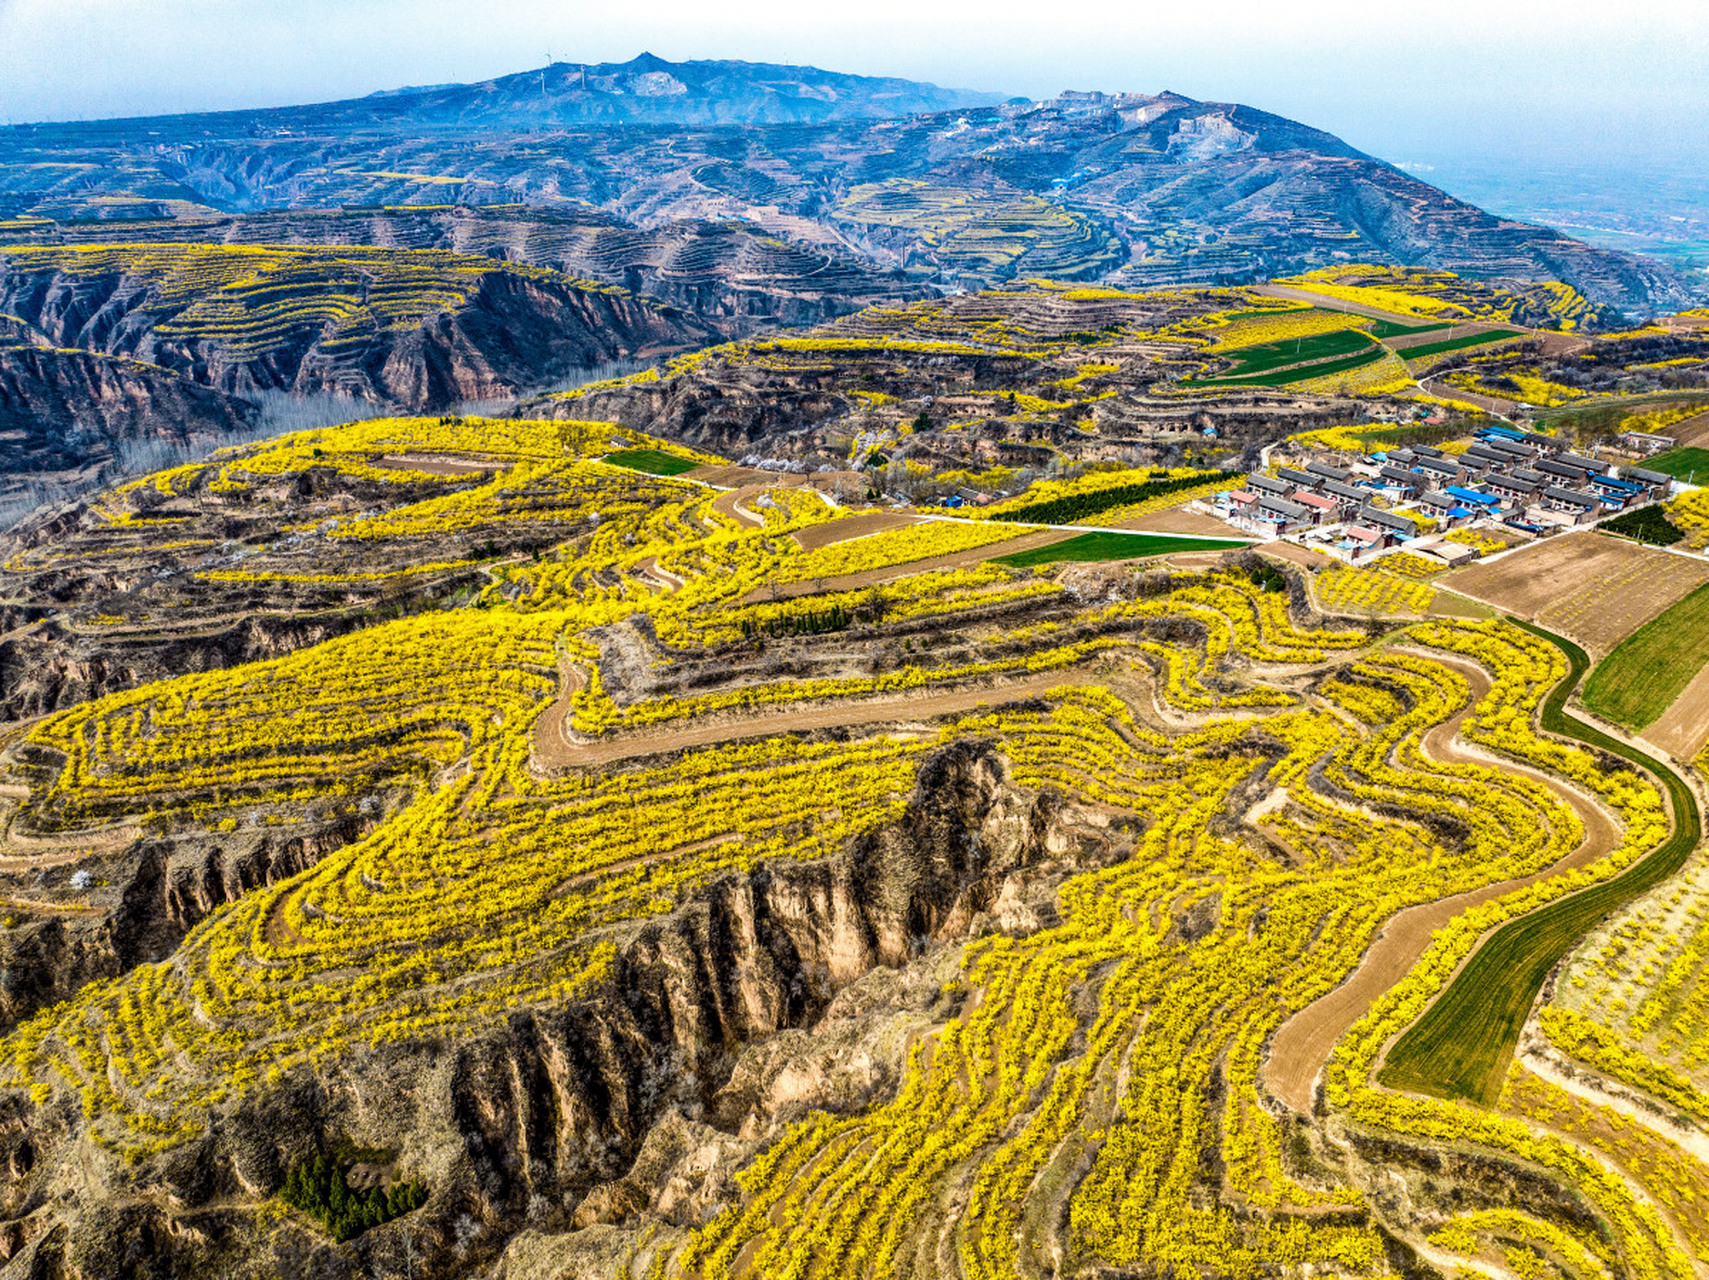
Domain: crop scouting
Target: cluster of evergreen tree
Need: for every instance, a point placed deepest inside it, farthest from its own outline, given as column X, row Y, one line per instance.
column 811, row 623
column 320, row 1189
column 1267, row 577
column 1645, row 524
column 1077, row 507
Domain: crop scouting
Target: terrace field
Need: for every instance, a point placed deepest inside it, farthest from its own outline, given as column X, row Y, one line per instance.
column 646, row 833
column 1461, row 1047
column 1417, row 296
column 1276, row 363
column 984, row 238
column 643, row 671
column 655, row 462
column 1111, row 546
column 1048, row 848
column 416, row 328
column 1425, row 350
column 1652, row 666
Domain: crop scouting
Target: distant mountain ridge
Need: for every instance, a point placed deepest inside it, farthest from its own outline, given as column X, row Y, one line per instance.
column 884, row 182
column 645, row 90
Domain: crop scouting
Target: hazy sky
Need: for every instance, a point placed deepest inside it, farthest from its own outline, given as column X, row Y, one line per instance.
column 1432, row 81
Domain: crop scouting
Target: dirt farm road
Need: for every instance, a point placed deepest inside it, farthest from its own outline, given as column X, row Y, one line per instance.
column 1303, row 1044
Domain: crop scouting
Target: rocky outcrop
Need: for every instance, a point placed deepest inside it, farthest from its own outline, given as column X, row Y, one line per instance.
column 158, row 892
column 515, row 333
column 640, row 1100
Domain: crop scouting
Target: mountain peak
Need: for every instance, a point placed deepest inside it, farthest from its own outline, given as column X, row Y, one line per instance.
column 648, row 89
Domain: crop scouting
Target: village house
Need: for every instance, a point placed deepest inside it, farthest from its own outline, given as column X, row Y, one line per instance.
column 1582, row 507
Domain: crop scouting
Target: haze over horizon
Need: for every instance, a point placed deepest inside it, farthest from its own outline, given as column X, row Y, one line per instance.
column 1453, row 80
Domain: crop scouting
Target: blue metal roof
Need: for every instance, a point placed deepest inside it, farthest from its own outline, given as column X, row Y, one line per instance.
column 1614, row 482
column 1471, row 495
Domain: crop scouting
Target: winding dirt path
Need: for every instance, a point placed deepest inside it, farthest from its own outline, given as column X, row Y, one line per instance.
column 729, row 503
column 551, row 731
column 38, row 907
column 659, row 577
column 439, row 464
column 21, row 852
column 277, row 932
column 1304, row 1042
column 554, row 750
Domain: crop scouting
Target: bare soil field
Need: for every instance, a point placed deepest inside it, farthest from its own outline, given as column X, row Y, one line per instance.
column 824, row 535
column 831, row 481
column 1303, row 1043
column 1176, row 520
column 1194, row 561
column 1562, row 344
column 1692, row 431
column 732, row 476
column 435, row 465
column 1293, row 553
column 1683, row 728
column 1589, row 586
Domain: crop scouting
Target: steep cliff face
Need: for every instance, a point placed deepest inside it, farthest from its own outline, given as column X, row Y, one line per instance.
column 515, row 332
column 726, row 413
column 420, row 330
column 63, row 412
column 568, row 1119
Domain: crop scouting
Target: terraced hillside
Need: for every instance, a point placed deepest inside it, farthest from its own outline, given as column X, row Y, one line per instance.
column 112, row 347
column 981, row 387
column 1138, row 190
column 731, row 273
column 609, row 874
column 416, row 327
